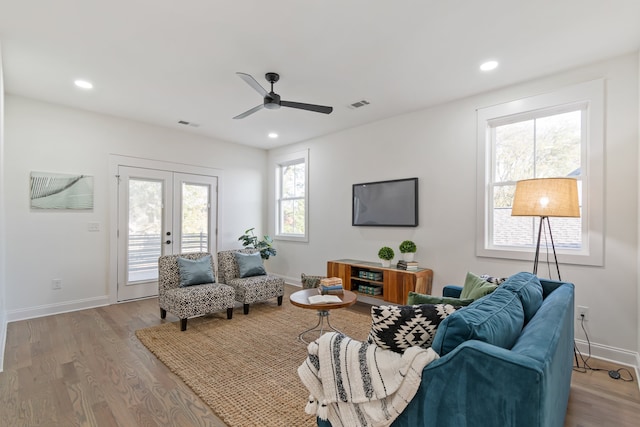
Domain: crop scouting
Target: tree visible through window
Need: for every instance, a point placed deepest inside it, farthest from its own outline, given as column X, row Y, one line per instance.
column 292, row 202
column 292, row 196
column 542, row 145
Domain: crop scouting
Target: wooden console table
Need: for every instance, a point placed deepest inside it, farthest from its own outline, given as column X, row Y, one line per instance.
column 395, row 283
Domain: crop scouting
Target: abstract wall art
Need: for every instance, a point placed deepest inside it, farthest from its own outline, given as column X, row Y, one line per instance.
column 61, row 191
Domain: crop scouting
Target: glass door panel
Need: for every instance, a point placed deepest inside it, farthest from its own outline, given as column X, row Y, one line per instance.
column 143, row 221
column 195, row 205
column 144, row 239
column 195, row 213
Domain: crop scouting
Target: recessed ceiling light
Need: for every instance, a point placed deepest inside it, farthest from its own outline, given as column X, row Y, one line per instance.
column 489, row 65
column 273, row 135
column 83, row 84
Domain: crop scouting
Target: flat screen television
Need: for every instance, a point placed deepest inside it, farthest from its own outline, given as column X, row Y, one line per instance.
column 386, row 203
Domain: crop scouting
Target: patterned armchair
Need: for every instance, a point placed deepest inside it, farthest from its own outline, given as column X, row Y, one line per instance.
column 248, row 289
column 190, row 301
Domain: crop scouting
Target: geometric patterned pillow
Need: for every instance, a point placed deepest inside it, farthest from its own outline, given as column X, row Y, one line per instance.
column 397, row 328
column 309, row 281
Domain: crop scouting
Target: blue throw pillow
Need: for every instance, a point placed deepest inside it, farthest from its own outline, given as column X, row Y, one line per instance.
column 195, row 272
column 250, row 264
column 496, row 319
column 528, row 288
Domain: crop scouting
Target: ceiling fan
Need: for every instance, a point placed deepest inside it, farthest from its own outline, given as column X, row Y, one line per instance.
column 272, row 100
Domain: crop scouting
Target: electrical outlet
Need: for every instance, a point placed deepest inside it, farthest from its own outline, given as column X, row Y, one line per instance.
column 56, row 284
column 583, row 313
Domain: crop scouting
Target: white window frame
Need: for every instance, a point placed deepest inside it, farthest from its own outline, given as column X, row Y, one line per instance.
column 589, row 94
column 286, row 160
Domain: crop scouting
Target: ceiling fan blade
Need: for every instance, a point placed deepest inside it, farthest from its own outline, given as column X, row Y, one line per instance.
column 248, row 112
column 309, row 107
column 253, row 83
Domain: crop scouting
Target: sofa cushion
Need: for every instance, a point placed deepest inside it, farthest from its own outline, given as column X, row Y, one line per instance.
column 195, row 272
column 397, row 328
column 416, row 298
column 496, row 319
column 309, row 281
column 528, row 288
column 250, row 264
column 476, row 287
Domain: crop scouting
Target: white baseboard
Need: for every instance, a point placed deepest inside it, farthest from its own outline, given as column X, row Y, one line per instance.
column 289, row 280
column 3, row 339
column 611, row 354
column 58, row 308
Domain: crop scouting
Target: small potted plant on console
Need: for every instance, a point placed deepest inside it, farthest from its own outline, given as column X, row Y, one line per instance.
column 408, row 250
column 386, row 255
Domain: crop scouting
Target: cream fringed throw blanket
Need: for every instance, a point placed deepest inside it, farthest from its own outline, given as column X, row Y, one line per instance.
column 359, row 384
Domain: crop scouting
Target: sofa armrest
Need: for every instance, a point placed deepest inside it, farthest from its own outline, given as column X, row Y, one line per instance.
column 452, row 291
column 477, row 381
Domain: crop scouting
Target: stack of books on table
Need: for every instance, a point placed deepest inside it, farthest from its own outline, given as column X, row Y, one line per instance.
column 407, row 265
column 331, row 286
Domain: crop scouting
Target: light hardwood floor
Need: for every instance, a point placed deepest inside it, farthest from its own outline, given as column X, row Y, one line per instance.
column 87, row 368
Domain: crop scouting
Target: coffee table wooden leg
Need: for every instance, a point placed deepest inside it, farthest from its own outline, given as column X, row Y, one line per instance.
column 320, row 326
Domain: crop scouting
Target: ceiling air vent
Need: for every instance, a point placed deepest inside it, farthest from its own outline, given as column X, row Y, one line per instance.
column 193, row 125
column 359, row 104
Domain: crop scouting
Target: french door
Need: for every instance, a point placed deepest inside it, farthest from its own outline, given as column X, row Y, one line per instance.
column 160, row 213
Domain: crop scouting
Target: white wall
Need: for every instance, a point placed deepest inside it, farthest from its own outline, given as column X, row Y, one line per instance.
column 51, row 244
column 638, row 191
column 3, row 318
column 438, row 145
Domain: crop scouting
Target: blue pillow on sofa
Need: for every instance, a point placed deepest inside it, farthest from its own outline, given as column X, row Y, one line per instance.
column 195, row 272
column 496, row 319
column 528, row 288
column 250, row 264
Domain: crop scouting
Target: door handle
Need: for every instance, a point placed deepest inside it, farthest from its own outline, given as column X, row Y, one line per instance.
column 168, row 242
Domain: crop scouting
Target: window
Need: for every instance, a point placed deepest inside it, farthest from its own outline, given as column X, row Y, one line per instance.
column 291, row 197
column 551, row 135
column 547, row 145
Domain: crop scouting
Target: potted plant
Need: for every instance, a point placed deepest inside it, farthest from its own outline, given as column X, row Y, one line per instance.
column 386, row 255
column 250, row 240
column 408, row 250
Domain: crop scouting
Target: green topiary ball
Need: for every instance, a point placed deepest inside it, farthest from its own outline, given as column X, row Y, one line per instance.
column 386, row 253
column 407, row 247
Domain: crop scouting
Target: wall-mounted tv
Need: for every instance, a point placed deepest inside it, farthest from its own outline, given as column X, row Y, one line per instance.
column 386, row 203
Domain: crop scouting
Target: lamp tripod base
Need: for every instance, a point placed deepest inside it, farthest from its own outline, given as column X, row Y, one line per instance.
column 537, row 257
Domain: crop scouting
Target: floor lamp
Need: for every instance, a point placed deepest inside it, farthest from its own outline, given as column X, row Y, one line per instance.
column 546, row 197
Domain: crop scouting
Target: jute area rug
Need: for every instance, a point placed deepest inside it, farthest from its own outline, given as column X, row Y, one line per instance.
column 245, row 369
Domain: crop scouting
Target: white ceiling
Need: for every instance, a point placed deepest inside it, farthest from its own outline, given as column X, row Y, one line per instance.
column 161, row 61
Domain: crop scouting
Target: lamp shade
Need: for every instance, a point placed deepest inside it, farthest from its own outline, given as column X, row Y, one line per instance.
column 546, row 197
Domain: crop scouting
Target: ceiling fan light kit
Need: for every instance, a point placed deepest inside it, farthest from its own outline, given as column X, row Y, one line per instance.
column 272, row 101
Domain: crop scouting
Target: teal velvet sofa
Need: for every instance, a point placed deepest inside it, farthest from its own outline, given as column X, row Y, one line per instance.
column 506, row 360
